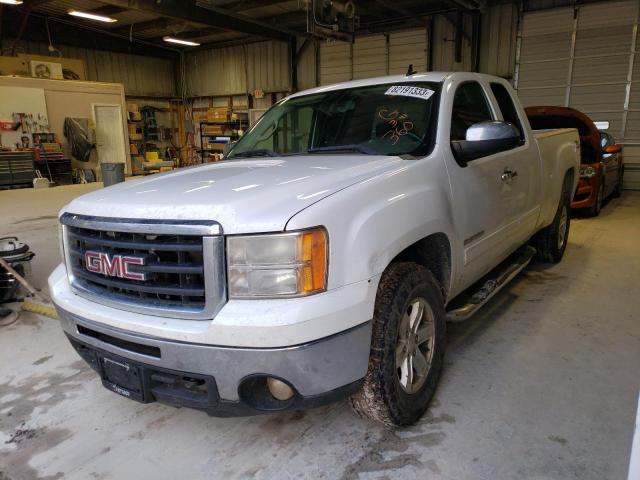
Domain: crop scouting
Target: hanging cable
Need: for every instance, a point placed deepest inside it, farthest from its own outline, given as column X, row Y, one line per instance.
column 51, row 47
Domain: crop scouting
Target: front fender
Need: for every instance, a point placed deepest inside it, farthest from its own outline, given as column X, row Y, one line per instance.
column 371, row 222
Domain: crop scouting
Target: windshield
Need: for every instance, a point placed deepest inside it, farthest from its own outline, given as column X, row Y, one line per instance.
column 390, row 119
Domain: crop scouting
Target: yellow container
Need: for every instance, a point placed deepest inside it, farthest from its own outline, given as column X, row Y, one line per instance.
column 152, row 156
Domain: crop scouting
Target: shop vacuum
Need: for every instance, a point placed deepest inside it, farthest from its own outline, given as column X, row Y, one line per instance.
column 18, row 256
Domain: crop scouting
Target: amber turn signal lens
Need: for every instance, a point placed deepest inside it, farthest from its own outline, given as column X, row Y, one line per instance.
column 313, row 252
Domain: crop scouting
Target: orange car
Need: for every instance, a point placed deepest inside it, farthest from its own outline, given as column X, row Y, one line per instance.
column 602, row 165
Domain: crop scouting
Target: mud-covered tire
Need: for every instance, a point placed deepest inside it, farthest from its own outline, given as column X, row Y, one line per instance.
column 551, row 241
column 382, row 397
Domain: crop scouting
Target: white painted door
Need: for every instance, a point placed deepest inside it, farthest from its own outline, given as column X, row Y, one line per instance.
column 110, row 141
column 478, row 190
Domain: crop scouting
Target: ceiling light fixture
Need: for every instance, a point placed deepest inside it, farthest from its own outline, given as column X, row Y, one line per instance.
column 180, row 42
column 92, row 16
column 12, row 2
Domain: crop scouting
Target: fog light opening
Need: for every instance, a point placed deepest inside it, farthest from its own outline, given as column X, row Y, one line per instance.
column 280, row 390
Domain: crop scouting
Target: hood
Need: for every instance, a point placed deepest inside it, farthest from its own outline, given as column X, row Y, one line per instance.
column 546, row 117
column 244, row 196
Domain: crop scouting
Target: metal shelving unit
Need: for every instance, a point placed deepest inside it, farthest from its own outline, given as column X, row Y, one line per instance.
column 205, row 138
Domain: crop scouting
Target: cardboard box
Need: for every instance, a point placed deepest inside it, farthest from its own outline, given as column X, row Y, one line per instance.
column 217, row 114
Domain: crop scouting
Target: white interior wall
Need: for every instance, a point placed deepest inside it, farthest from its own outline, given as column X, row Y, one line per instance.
column 66, row 98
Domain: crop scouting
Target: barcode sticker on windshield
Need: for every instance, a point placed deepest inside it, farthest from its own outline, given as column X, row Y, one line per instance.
column 409, row 91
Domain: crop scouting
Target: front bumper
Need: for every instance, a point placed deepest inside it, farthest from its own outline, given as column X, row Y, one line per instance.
column 320, row 372
column 585, row 196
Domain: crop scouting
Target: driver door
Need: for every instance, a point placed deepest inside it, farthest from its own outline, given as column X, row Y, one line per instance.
column 479, row 195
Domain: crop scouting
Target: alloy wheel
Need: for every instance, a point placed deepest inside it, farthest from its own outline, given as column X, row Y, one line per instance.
column 415, row 345
column 562, row 227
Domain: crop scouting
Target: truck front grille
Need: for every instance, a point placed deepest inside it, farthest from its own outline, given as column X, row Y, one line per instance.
column 182, row 268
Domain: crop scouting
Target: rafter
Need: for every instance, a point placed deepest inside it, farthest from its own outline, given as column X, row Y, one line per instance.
column 202, row 12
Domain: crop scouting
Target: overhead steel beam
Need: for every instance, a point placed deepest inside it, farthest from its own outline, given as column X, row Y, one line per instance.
column 202, row 12
column 200, row 32
column 107, row 10
column 26, row 11
column 141, row 27
column 71, row 33
column 242, row 5
column 403, row 11
column 470, row 4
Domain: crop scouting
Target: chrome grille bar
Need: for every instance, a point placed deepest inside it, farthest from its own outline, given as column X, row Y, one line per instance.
column 185, row 266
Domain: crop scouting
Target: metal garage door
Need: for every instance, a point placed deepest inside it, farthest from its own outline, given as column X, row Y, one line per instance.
column 373, row 56
column 370, row 57
column 406, row 48
column 585, row 58
column 335, row 63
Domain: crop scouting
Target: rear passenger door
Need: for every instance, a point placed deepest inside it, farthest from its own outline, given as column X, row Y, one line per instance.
column 521, row 195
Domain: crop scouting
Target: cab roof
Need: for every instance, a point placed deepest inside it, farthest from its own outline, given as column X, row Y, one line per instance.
column 416, row 77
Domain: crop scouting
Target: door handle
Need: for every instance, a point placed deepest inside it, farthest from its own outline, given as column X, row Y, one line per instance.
column 508, row 175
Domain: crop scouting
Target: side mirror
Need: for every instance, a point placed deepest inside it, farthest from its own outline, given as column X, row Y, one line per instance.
column 228, row 146
column 612, row 149
column 484, row 139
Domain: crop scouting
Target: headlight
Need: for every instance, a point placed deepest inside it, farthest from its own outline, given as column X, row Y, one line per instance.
column 587, row 172
column 277, row 265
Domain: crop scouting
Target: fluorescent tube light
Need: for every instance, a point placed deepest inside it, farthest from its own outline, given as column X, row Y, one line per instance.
column 180, row 42
column 92, row 16
column 11, row 2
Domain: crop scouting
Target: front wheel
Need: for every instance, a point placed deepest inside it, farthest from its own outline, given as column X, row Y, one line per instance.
column 407, row 347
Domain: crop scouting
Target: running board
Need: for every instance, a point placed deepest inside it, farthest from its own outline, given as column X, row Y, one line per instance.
column 502, row 275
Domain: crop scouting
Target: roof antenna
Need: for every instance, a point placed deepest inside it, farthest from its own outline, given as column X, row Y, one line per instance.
column 410, row 70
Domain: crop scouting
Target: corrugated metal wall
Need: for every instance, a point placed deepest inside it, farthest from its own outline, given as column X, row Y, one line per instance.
column 238, row 70
column 216, row 72
column 336, row 62
column 268, row 67
column 585, row 58
column 444, row 34
column 498, row 33
column 141, row 76
column 406, row 48
column 370, row 57
column 376, row 55
column 307, row 66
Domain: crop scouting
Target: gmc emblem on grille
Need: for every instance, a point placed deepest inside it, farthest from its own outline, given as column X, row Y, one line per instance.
column 113, row 265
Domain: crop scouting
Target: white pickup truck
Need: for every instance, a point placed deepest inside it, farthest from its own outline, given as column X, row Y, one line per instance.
column 324, row 256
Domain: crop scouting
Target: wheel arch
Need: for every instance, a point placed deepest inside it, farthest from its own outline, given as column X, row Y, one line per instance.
column 434, row 253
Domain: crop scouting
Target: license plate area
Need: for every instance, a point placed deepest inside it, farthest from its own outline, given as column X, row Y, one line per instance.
column 122, row 377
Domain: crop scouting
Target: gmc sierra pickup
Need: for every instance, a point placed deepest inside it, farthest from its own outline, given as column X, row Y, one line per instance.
column 323, row 257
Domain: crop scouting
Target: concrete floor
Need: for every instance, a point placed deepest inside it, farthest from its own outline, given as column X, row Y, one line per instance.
column 541, row 384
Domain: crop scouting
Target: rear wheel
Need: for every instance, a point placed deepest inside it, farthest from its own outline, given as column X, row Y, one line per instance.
column 407, row 347
column 551, row 241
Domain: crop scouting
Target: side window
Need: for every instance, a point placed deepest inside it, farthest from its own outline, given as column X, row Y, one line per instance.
column 508, row 109
column 606, row 140
column 470, row 106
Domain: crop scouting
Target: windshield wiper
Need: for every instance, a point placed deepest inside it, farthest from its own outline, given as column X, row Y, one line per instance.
column 261, row 152
column 344, row 148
